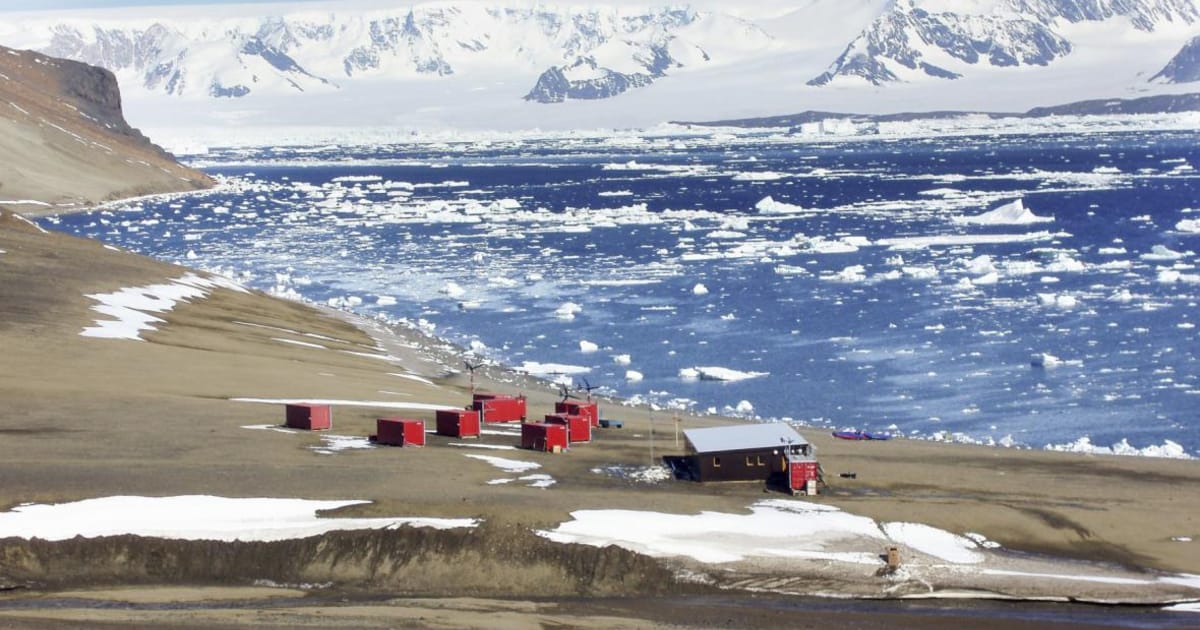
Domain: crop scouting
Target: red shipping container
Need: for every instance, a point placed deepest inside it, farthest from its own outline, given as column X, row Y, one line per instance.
column 540, row 436
column 499, row 407
column 459, row 423
column 801, row 473
column 579, row 428
column 589, row 410
column 309, row 417
column 400, row 432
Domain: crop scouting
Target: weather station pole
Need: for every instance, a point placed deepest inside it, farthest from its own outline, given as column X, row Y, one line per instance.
column 676, row 417
column 652, row 434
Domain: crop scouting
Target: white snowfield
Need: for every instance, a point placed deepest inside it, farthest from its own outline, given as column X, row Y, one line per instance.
column 131, row 309
column 786, row 530
column 774, row 528
column 196, row 517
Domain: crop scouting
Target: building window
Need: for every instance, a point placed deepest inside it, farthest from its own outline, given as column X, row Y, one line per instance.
column 749, row 462
column 716, row 462
column 760, row 460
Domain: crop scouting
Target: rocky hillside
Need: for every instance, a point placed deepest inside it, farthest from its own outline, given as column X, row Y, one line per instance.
column 64, row 141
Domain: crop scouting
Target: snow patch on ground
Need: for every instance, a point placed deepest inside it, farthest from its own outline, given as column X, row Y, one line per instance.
column 196, row 517
column 130, row 308
column 507, row 465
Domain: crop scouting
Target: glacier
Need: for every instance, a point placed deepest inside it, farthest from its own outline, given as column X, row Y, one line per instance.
column 518, row 64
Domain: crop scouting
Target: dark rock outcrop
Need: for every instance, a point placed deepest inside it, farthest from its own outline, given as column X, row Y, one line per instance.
column 1184, row 67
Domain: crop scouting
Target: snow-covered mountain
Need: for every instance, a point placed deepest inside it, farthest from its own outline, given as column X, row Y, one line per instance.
column 942, row 39
column 1184, row 67
column 614, row 62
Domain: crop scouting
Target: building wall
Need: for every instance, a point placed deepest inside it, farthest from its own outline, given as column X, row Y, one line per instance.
column 752, row 465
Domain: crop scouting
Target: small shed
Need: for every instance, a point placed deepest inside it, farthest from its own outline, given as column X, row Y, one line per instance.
column 459, row 423
column 400, row 432
column 589, row 410
column 750, row 452
column 499, row 407
column 309, row 417
column 541, row 436
column 579, row 428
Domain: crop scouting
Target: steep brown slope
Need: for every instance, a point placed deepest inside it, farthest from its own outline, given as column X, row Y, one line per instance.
column 65, row 142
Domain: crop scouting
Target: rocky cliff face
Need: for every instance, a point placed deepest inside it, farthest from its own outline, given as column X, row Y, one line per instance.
column 65, row 142
column 1184, row 67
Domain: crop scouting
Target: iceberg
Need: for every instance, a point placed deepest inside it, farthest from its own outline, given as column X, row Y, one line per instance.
column 1012, row 213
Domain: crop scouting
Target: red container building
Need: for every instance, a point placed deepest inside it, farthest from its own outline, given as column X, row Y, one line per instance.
column 579, row 428
column 400, row 432
column 499, row 407
column 541, row 436
column 309, row 417
column 589, row 410
column 459, row 423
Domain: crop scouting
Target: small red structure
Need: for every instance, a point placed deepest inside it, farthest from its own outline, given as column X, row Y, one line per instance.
column 589, row 410
column 800, row 473
column 541, row 436
column 579, row 428
column 459, row 423
column 499, row 407
column 309, row 417
column 400, row 432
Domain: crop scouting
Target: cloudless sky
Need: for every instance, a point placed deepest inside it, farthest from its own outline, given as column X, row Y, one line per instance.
column 32, row 5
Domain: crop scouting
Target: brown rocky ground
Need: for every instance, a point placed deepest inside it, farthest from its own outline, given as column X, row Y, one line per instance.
column 86, row 417
column 64, row 140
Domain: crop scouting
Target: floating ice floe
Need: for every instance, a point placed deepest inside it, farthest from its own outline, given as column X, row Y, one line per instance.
column 131, row 308
column 712, row 373
column 1162, row 253
column 568, row 310
column 1168, row 449
column 622, row 359
column 633, row 376
column 768, row 205
column 699, row 289
column 587, row 347
column 551, row 369
column 1058, row 301
column 1012, row 213
column 1191, row 226
column 956, row 240
column 196, row 517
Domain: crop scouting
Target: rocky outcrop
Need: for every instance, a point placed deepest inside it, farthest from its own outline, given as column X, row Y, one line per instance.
column 65, row 141
column 1184, row 67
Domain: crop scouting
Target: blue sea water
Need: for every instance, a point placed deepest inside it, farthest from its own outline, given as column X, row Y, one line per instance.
column 833, row 274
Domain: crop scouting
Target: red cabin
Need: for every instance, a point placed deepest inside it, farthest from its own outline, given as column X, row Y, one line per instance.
column 459, row 423
column 800, row 473
column 579, row 428
column 541, row 436
column 400, row 432
column 499, row 407
column 589, row 410
column 309, row 417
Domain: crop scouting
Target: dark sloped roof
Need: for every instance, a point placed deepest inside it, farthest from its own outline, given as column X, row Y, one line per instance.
column 742, row 437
